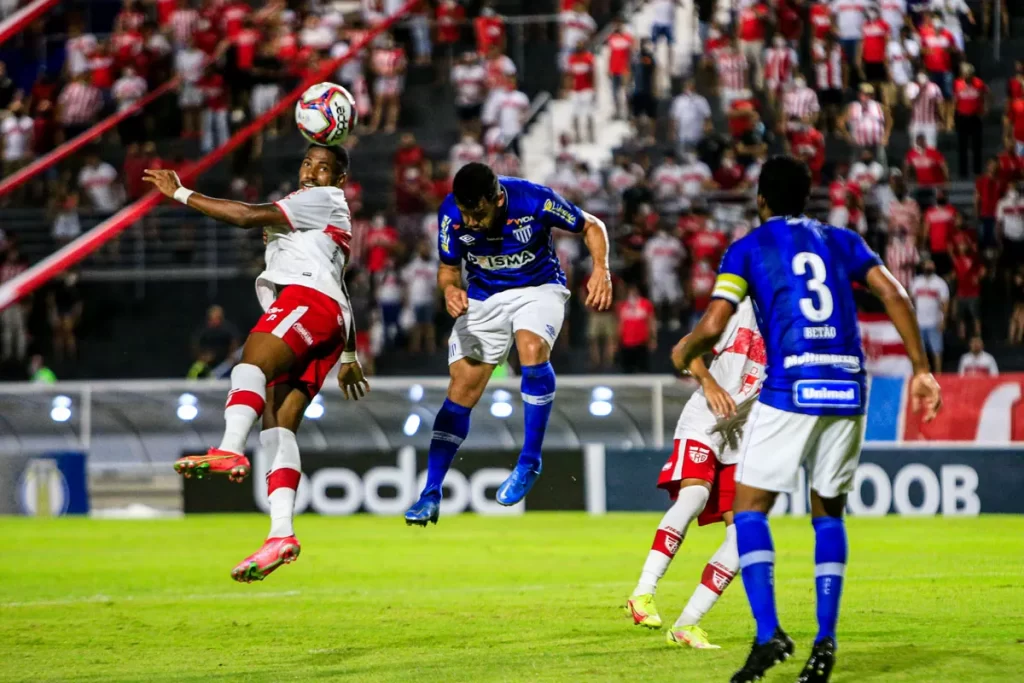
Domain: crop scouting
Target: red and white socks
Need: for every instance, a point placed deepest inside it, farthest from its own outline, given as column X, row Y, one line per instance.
column 246, row 401
column 669, row 536
column 718, row 573
column 282, row 480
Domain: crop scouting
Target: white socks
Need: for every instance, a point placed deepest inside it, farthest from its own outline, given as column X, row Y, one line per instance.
column 283, row 479
column 246, row 401
column 669, row 536
column 718, row 573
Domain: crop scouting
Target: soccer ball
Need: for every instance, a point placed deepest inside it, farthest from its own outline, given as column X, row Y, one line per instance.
column 325, row 114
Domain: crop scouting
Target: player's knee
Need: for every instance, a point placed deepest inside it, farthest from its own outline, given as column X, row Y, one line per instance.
column 532, row 350
column 468, row 381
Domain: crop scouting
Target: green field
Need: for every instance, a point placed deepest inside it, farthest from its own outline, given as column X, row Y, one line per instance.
column 533, row 598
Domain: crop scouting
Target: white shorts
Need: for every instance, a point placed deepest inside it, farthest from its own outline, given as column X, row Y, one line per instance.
column 930, row 132
column 583, row 102
column 485, row 333
column 665, row 290
column 777, row 442
column 264, row 97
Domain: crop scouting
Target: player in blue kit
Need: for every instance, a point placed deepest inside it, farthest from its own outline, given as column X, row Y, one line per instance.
column 500, row 229
column 799, row 274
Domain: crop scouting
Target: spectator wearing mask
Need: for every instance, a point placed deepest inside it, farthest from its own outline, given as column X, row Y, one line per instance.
column 128, row 90
column 931, row 302
column 753, row 19
column 643, row 102
column 695, row 178
column 800, row 102
column 902, row 53
column 638, row 332
column 949, row 11
column 780, row 64
column 733, row 69
column 901, row 256
column 78, row 49
column 508, row 114
column 969, row 272
column 927, row 164
column 820, row 19
column 872, row 50
column 620, row 53
column 938, row 47
column 388, row 64
column 576, row 26
column 901, row 212
column 938, row 226
column 189, row 65
column 579, row 80
column 806, row 142
column 850, row 215
column 489, row 28
column 98, row 182
column 667, row 183
column 988, row 190
column 448, row 17
column 214, row 117
column 420, row 279
column 1010, row 231
column 688, row 114
column 831, row 77
column 969, row 95
column 381, row 243
column 79, row 106
column 867, row 172
column 867, row 123
column 977, row 361
column 469, row 77
column 664, row 254
column 466, row 151
column 730, row 175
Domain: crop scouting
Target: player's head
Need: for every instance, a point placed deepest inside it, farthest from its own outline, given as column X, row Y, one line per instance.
column 783, row 187
column 478, row 195
column 324, row 167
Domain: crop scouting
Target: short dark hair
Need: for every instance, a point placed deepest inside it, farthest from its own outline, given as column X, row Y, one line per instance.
column 474, row 182
column 785, row 184
column 340, row 157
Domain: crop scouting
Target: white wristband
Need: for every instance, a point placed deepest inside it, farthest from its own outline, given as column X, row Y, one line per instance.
column 349, row 357
column 182, row 194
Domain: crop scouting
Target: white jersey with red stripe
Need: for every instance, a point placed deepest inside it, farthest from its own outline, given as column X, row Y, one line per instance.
column 738, row 368
column 925, row 99
column 313, row 250
column 732, row 70
column 779, row 65
column 884, row 352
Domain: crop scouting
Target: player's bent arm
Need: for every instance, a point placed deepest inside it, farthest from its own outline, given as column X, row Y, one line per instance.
column 448, row 276
column 707, row 332
column 595, row 236
column 901, row 312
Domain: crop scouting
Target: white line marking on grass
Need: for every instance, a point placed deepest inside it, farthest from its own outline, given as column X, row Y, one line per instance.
column 100, row 598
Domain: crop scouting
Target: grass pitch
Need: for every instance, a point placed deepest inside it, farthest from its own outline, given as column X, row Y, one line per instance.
column 533, row 598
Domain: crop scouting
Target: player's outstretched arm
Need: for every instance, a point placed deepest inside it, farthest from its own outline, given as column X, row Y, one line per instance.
column 707, row 332
column 719, row 400
column 237, row 213
column 599, row 288
column 924, row 390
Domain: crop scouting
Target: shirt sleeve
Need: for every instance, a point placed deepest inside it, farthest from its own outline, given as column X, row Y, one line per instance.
column 731, row 283
column 943, row 291
column 449, row 248
column 556, row 212
column 857, row 255
column 316, row 208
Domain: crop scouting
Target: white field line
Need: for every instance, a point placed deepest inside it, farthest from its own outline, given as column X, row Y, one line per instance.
column 510, row 589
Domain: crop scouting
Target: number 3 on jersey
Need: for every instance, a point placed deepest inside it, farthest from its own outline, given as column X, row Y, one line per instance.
column 816, row 311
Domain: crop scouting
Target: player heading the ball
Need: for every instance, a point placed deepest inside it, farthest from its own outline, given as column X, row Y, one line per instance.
column 500, row 229
column 800, row 274
column 306, row 328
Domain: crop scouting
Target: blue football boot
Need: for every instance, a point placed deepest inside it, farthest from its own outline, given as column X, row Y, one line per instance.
column 518, row 484
column 426, row 509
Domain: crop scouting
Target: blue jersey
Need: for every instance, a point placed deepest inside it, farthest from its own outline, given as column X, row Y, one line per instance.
column 518, row 251
column 799, row 274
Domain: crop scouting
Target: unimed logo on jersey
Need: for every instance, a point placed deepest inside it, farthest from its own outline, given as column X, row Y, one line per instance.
column 822, row 393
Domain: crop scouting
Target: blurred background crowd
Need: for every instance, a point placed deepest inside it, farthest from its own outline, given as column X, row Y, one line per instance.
column 653, row 116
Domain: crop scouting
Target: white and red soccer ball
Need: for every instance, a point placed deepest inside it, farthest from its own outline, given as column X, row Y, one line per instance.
column 326, row 114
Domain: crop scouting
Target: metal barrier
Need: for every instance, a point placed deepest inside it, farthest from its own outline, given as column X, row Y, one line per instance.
column 147, row 424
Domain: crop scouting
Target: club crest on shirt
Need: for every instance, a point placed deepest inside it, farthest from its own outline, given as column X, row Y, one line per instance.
column 698, row 454
column 524, row 233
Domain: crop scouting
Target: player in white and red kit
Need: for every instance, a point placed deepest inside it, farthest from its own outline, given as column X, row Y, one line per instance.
column 699, row 476
column 579, row 79
column 306, row 328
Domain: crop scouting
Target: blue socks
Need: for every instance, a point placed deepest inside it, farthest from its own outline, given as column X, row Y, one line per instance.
column 757, row 564
column 538, row 389
column 829, row 567
column 450, row 429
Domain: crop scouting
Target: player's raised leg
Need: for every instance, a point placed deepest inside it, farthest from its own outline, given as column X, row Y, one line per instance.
column 280, row 422
column 538, row 391
column 265, row 356
column 717, row 575
column 451, row 426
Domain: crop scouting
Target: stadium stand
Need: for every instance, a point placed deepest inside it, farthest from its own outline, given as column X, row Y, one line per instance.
column 670, row 218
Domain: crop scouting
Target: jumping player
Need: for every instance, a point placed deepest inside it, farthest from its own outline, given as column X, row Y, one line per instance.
column 306, row 327
column 500, row 228
column 699, row 477
column 800, row 274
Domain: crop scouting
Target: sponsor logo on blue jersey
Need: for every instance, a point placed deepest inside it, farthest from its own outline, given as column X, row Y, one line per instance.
column 560, row 211
column 502, row 261
column 824, row 393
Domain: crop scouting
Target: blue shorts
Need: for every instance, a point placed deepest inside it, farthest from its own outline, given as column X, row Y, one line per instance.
column 424, row 314
column 944, row 81
column 932, row 337
column 662, row 30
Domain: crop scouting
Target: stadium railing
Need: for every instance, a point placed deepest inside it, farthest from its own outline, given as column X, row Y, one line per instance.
column 74, row 252
column 147, row 423
column 18, row 20
column 68, row 148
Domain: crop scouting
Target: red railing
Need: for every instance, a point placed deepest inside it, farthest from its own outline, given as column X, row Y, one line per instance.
column 71, row 146
column 40, row 273
column 10, row 26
